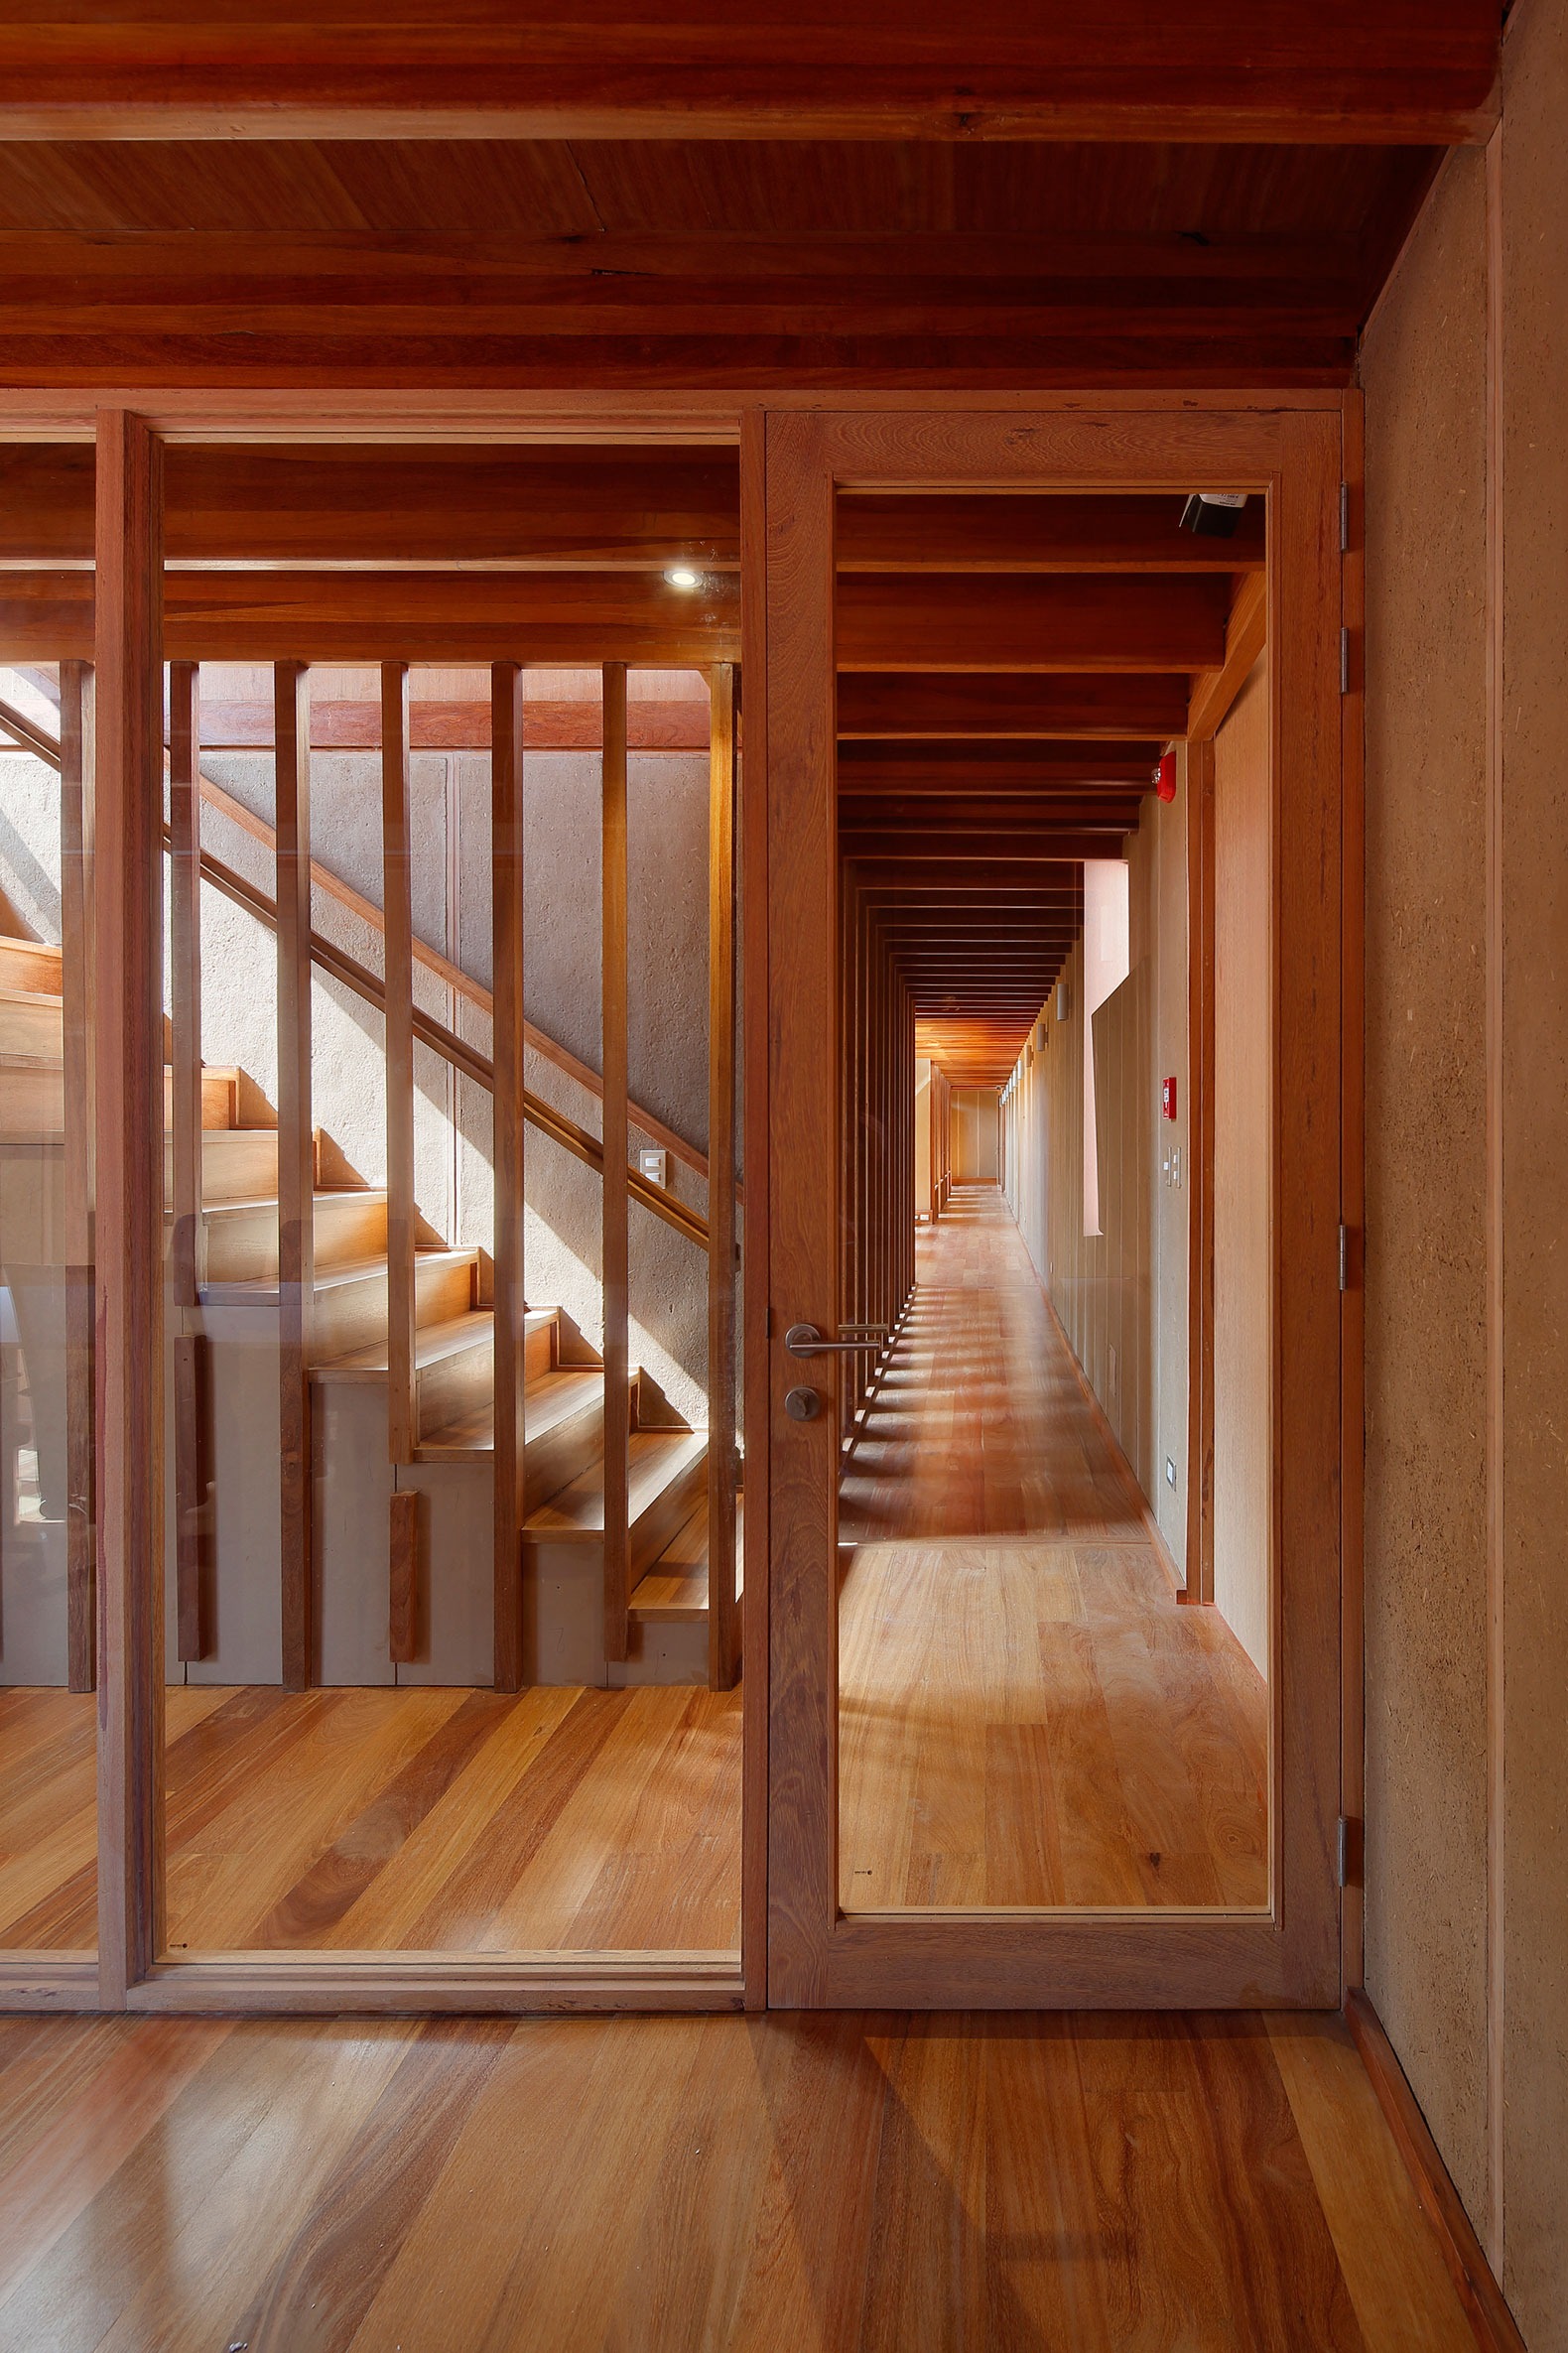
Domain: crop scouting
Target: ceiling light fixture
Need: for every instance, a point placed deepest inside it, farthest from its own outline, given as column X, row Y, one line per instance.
column 683, row 575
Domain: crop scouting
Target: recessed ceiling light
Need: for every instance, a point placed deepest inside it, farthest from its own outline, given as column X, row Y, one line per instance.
column 683, row 575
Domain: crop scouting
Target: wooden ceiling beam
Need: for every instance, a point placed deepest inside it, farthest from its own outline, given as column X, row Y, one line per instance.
column 1031, row 849
column 1138, row 532
column 406, row 505
column 1415, row 71
column 1003, row 706
column 957, row 768
column 970, row 812
column 1026, row 624
column 463, row 619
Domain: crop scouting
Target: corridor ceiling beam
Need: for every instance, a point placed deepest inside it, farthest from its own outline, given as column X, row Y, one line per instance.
column 1008, row 708
column 1407, row 72
column 1030, row 624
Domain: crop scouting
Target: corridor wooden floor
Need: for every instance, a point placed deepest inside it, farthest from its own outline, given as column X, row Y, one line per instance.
column 812, row 2185
column 1027, row 1714
column 447, row 1819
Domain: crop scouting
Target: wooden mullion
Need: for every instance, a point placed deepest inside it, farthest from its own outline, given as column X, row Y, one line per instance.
column 77, row 962
column 507, row 883
column 616, row 1259
column 127, row 847
column 1200, row 1170
column 295, row 1166
column 397, row 890
column 185, row 1148
column 724, row 1629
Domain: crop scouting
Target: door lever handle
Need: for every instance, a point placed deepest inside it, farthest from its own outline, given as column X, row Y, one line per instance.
column 804, row 1340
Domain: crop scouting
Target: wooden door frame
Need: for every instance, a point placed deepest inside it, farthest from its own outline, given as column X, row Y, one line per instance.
column 1291, row 451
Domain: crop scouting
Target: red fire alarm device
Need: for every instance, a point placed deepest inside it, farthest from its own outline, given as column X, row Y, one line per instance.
column 1168, row 1098
column 1165, row 777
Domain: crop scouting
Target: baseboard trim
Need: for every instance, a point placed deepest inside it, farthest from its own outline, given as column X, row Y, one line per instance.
column 1114, row 1448
column 1497, row 2330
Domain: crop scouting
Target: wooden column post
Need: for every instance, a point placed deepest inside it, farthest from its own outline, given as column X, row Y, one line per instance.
column 616, row 1269
column 724, row 1627
column 511, row 1307
column 128, row 811
column 397, row 900
column 1200, row 1170
column 185, row 1148
column 295, row 1164
column 76, row 1026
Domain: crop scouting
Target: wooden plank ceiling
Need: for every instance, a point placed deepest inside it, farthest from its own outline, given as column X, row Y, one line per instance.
column 797, row 192
column 971, row 787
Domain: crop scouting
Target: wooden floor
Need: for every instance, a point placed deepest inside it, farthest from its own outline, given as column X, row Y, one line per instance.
column 363, row 1820
column 818, row 2184
column 1027, row 1714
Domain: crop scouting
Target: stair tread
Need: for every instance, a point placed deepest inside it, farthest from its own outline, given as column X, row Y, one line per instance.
column 433, row 1342
column 676, row 1587
column 551, row 1398
column 366, row 1195
column 264, row 1287
column 657, row 1458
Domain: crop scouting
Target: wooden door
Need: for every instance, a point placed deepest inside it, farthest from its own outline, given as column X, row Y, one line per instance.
column 1286, row 1952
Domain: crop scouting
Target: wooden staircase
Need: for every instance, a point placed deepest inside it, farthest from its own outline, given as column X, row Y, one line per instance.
column 237, row 1261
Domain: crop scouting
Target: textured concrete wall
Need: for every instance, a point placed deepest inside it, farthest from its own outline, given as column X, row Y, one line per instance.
column 1466, row 1654
column 1424, row 374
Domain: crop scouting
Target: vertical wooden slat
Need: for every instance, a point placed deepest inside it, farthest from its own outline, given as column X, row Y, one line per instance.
column 77, row 999
column 398, row 912
column 1200, row 1171
column 128, row 809
column 184, row 1145
column 296, row 1165
column 403, row 1577
column 617, row 1274
column 756, row 1311
column 724, row 1629
column 507, row 883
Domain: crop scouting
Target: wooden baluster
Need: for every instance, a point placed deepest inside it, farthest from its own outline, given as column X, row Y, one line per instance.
column 295, row 1164
column 76, row 1000
column 127, row 855
column 724, row 1627
column 397, row 916
column 615, row 1247
column 507, row 884
column 184, row 1150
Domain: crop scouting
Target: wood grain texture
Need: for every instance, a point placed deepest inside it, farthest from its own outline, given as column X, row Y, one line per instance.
column 886, row 2182
column 76, row 967
column 1200, row 1170
column 509, row 1159
column 1352, row 1197
column 1291, row 1954
column 752, row 820
column 128, row 809
column 295, row 1164
column 403, row 1576
column 1027, row 1717
column 723, row 1619
column 397, row 904
column 615, row 1274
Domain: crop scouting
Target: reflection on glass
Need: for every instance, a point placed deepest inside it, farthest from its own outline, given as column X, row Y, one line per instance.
column 1031, row 1716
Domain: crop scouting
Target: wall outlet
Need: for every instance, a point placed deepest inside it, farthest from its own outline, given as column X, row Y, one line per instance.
column 1170, row 1473
column 654, row 1164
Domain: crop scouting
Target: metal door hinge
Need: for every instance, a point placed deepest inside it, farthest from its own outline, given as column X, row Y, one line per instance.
column 1344, row 518
column 1347, row 1851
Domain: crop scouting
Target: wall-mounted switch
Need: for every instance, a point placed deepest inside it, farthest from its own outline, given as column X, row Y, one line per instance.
column 654, row 1164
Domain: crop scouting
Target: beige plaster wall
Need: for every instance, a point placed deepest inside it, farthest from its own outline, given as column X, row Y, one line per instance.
column 1466, row 1654
column 1121, row 1293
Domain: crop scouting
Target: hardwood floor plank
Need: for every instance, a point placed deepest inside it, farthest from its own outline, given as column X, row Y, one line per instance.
column 783, row 2185
column 1392, row 2266
column 997, row 1576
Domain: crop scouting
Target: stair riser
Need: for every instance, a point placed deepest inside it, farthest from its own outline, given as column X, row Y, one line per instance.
column 31, row 1025
column 553, row 1460
column 663, row 1520
column 242, row 1245
column 354, row 1315
column 32, row 1103
column 25, row 963
column 456, row 1385
column 237, row 1164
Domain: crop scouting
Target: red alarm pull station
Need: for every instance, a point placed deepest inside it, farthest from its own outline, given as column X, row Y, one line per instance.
column 1168, row 1098
column 1165, row 783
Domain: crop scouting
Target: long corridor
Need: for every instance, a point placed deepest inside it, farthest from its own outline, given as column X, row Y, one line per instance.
column 1028, row 1712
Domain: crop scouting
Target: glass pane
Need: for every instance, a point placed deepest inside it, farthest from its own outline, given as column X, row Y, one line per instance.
column 1032, row 1711
column 48, row 1705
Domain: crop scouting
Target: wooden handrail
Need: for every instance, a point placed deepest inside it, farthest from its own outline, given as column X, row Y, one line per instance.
column 446, row 1042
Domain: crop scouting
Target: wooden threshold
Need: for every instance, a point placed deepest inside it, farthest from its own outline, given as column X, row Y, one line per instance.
column 373, row 1984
